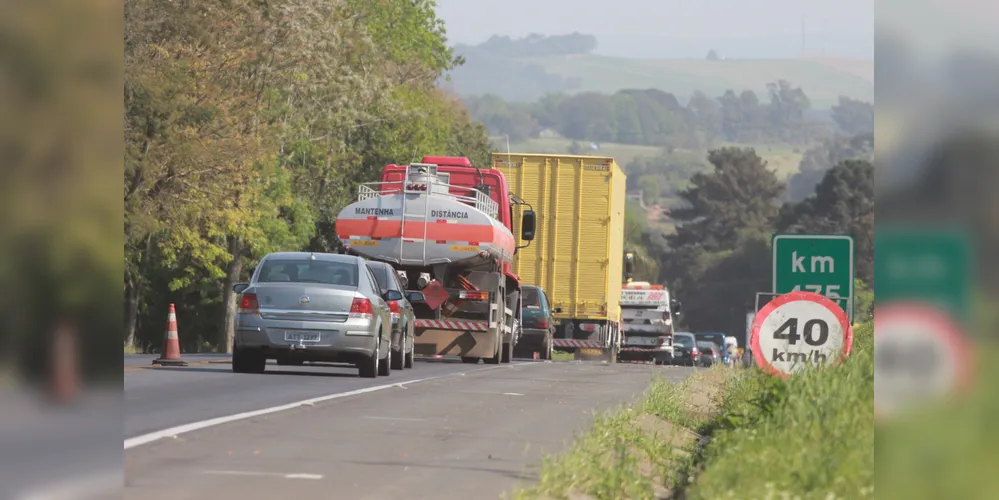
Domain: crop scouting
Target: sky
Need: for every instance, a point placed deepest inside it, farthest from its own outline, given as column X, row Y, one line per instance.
column 667, row 28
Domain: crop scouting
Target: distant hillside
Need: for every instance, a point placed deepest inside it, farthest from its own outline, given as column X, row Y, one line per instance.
column 491, row 68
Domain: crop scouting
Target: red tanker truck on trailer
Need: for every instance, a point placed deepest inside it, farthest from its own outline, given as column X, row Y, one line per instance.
column 445, row 226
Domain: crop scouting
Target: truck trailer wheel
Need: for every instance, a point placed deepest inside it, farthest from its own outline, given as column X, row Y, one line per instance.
column 469, row 360
column 507, row 352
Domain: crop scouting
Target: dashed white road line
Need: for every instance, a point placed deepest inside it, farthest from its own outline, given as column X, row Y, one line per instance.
column 285, row 475
column 396, row 419
column 194, row 426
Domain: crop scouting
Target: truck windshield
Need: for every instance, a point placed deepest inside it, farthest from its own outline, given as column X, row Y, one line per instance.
column 530, row 299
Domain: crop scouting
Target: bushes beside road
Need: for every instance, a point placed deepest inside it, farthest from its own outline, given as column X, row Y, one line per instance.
column 730, row 434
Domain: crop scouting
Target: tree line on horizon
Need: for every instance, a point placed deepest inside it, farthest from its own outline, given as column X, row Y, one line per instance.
column 652, row 117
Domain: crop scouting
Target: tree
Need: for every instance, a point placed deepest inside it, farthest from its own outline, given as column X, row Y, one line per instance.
column 843, row 203
column 738, row 198
column 853, row 116
column 819, row 159
column 712, row 55
column 248, row 127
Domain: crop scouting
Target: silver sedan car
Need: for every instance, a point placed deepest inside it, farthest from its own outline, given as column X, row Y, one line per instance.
column 301, row 306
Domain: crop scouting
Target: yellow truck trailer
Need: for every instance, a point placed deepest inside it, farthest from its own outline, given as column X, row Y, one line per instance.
column 578, row 250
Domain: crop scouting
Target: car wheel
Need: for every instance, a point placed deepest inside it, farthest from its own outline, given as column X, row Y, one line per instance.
column 408, row 363
column 398, row 359
column 248, row 361
column 369, row 367
column 385, row 365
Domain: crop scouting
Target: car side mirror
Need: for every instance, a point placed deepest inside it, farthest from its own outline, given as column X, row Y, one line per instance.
column 239, row 287
column 415, row 297
column 527, row 225
column 557, row 310
column 675, row 305
column 392, row 295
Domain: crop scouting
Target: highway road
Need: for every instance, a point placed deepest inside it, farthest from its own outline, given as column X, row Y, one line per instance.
column 441, row 430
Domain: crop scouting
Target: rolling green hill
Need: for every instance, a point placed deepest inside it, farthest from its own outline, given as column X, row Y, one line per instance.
column 529, row 78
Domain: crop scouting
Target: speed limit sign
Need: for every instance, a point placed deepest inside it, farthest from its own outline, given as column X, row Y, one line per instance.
column 920, row 356
column 798, row 329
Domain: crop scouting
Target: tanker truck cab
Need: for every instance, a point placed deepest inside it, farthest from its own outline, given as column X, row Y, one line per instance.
column 446, row 227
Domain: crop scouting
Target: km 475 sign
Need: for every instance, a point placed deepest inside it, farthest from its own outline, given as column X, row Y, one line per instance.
column 815, row 263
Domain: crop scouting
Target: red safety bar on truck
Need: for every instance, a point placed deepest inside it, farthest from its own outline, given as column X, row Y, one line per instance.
column 453, row 324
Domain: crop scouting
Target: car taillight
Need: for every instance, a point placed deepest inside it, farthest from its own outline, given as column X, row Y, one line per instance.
column 393, row 307
column 248, row 303
column 541, row 323
column 361, row 308
column 694, row 352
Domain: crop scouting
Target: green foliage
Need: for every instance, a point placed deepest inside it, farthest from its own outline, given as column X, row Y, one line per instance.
column 843, row 203
column 823, row 415
column 248, row 127
column 737, row 199
column 720, row 256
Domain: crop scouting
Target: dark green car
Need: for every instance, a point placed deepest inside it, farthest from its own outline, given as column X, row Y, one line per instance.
column 536, row 322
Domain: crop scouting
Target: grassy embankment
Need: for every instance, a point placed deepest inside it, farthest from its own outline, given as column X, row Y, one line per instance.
column 730, row 434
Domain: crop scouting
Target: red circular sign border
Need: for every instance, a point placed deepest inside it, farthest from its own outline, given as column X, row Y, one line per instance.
column 952, row 337
column 761, row 360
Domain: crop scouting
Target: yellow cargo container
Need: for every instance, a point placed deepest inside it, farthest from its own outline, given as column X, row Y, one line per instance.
column 578, row 250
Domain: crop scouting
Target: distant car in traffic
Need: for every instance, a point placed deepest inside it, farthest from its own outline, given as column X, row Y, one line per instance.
column 403, row 317
column 709, row 353
column 301, row 306
column 717, row 339
column 685, row 351
column 537, row 325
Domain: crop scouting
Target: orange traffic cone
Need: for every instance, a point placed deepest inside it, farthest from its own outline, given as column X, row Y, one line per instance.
column 171, row 348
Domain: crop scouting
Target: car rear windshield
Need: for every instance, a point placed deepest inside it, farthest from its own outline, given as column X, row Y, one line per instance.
column 308, row 271
column 530, row 299
column 683, row 340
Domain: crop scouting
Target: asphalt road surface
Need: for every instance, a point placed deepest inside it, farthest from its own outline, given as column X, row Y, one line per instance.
column 441, row 430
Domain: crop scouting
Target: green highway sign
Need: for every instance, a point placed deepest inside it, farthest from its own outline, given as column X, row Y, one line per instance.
column 820, row 263
column 924, row 264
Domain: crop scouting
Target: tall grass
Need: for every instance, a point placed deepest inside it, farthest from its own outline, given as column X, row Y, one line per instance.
column 811, row 436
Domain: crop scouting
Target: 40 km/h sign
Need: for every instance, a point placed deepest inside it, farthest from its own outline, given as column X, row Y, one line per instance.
column 797, row 329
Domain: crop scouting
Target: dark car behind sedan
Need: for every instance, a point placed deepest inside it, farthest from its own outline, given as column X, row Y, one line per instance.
column 685, row 351
column 403, row 318
column 536, row 321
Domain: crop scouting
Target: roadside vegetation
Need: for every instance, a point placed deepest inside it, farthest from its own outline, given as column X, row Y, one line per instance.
column 729, row 434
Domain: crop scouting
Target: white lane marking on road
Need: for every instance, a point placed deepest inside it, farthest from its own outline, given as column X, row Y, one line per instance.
column 512, row 394
column 194, row 426
column 293, row 475
column 400, row 419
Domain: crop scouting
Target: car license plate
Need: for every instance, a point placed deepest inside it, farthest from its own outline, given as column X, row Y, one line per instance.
column 591, row 351
column 641, row 341
column 301, row 336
